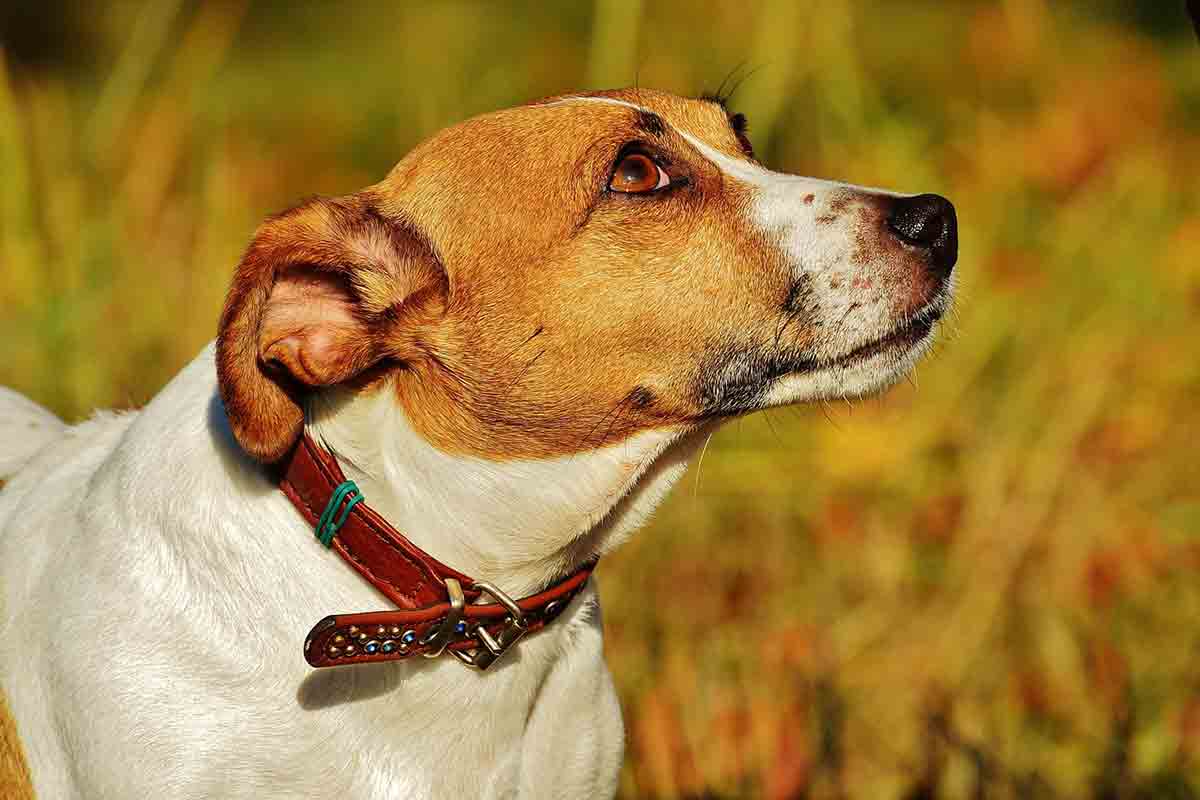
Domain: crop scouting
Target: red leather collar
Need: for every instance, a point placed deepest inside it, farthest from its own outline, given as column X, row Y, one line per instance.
column 439, row 609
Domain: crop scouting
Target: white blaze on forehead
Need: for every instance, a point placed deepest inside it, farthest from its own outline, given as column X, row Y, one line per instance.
column 740, row 168
column 775, row 208
column 779, row 196
column 610, row 101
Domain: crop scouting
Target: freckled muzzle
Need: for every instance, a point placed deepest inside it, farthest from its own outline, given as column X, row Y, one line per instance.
column 927, row 221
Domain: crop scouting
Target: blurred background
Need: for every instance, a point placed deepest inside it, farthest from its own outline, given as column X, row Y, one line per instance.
column 984, row 584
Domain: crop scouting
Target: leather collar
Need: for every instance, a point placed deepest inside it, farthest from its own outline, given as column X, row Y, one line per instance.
column 439, row 607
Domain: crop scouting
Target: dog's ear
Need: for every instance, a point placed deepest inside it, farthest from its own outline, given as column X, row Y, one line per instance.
column 325, row 291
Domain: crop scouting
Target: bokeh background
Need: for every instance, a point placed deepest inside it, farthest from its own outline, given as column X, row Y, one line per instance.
column 984, row 584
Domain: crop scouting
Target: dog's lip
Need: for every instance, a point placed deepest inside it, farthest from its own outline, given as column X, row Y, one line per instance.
column 902, row 337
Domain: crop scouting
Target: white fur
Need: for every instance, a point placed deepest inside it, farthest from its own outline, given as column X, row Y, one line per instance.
column 25, row 428
column 156, row 589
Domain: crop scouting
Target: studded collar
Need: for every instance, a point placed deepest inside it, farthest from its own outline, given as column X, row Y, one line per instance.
column 439, row 608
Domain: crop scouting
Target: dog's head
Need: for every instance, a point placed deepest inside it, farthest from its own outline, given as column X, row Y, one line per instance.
column 559, row 276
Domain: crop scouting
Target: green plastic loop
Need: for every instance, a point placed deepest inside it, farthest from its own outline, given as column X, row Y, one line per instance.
column 327, row 526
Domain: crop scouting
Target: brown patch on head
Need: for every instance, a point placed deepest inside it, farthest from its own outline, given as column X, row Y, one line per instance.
column 625, row 291
column 324, row 291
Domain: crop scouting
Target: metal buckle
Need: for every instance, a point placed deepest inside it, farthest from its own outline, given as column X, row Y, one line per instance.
column 445, row 632
column 494, row 646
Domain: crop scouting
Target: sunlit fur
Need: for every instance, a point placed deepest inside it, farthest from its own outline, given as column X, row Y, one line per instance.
column 155, row 585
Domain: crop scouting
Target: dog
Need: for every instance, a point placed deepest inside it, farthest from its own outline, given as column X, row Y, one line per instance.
column 495, row 363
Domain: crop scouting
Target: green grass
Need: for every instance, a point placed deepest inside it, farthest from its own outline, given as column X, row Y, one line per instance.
column 985, row 583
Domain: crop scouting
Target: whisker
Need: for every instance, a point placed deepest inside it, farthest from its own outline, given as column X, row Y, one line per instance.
column 699, row 465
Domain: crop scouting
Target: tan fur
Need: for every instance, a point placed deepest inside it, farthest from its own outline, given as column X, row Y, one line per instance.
column 621, row 308
column 15, row 781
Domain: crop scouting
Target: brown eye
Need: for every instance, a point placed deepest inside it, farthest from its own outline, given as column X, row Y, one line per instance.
column 638, row 173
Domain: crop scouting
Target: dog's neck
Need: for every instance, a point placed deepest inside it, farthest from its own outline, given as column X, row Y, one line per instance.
column 521, row 524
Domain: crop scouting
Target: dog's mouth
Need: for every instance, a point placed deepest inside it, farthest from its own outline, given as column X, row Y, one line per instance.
column 905, row 337
column 741, row 381
column 899, row 340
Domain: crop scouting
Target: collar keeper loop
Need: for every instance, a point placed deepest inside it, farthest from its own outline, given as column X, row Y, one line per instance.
column 327, row 526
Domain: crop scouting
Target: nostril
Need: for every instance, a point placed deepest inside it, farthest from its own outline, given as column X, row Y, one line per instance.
column 927, row 220
column 920, row 220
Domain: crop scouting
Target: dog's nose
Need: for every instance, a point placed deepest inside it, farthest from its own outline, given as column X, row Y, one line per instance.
column 928, row 220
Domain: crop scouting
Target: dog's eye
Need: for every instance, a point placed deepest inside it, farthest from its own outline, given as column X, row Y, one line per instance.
column 638, row 173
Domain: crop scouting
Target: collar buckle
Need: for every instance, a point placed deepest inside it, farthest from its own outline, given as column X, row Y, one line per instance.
column 493, row 646
column 437, row 639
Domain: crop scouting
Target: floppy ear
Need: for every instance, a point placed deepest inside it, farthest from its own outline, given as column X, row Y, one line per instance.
column 324, row 291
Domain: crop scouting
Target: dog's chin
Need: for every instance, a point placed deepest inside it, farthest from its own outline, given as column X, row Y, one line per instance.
column 868, row 368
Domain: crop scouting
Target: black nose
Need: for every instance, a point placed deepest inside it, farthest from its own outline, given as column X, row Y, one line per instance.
column 928, row 220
